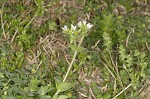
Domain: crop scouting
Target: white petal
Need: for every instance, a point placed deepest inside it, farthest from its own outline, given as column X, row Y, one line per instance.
column 89, row 26
column 79, row 24
column 73, row 27
column 65, row 28
column 84, row 22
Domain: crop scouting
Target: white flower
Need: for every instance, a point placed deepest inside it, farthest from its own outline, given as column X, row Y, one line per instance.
column 73, row 27
column 65, row 28
column 84, row 22
column 80, row 24
column 89, row 26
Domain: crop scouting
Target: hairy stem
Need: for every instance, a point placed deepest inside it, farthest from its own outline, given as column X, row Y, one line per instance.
column 73, row 59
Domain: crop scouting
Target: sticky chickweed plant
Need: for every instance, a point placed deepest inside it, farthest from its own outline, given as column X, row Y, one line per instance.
column 76, row 33
column 111, row 62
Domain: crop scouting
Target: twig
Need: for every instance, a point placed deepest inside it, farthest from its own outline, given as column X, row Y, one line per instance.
column 109, row 70
column 2, row 24
column 14, row 36
column 67, row 60
column 83, row 95
column 92, row 93
column 128, row 37
column 96, row 44
column 39, row 65
column 147, row 47
column 45, row 50
column 30, row 21
column 122, row 91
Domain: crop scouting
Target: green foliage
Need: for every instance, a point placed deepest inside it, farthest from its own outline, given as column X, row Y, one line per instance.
column 10, row 59
column 112, row 62
column 64, row 86
column 132, row 65
column 22, row 82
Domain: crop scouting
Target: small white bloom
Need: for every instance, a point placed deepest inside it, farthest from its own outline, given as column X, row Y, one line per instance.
column 65, row 28
column 89, row 26
column 79, row 24
column 73, row 27
column 84, row 22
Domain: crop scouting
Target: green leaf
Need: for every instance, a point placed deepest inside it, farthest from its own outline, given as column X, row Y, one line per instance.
column 80, row 49
column 33, row 85
column 55, row 97
column 7, row 97
column 63, row 97
column 52, row 25
column 2, row 75
column 43, row 90
column 106, row 96
column 46, row 97
column 74, row 47
column 64, row 86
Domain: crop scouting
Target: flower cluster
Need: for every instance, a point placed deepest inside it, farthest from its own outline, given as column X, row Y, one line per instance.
column 76, row 32
column 88, row 26
column 81, row 25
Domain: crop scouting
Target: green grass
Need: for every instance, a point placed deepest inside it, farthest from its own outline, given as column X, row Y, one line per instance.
column 39, row 61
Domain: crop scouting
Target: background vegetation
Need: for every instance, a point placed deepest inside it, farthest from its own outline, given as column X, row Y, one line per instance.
column 113, row 62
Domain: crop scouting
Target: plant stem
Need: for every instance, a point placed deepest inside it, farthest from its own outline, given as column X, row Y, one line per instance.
column 122, row 91
column 3, row 23
column 35, row 15
column 73, row 59
column 71, row 64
